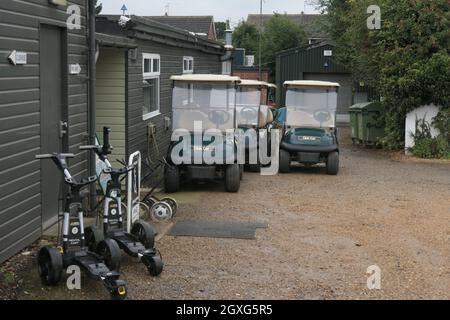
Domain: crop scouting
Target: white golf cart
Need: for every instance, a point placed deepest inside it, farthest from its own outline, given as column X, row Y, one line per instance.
column 310, row 133
column 253, row 113
column 208, row 101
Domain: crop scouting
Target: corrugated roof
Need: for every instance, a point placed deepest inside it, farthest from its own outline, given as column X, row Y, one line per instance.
column 313, row 24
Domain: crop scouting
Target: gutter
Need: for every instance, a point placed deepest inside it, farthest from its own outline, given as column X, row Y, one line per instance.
column 91, row 107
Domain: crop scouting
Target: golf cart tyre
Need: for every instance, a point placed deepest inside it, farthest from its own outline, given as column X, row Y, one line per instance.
column 172, row 179
column 232, row 178
column 285, row 161
column 144, row 232
column 50, row 263
column 93, row 236
column 109, row 250
column 333, row 163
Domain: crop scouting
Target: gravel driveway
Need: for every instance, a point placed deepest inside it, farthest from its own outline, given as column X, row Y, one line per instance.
column 324, row 232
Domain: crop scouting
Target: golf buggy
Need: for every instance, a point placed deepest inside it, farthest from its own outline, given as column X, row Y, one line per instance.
column 310, row 133
column 254, row 114
column 204, row 110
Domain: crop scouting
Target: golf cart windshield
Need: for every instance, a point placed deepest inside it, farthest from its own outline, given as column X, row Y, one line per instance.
column 248, row 100
column 311, row 107
column 212, row 104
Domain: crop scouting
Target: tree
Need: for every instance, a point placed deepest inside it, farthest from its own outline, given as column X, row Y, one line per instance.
column 246, row 36
column 407, row 60
column 279, row 34
column 220, row 30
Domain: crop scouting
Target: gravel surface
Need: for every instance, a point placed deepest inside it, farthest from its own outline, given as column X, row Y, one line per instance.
column 324, row 232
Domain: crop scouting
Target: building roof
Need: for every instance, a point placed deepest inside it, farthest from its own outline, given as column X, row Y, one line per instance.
column 200, row 25
column 205, row 78
column 311, row 83
column 313, row 24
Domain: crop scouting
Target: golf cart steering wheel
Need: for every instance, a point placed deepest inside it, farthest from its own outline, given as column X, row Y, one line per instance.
column 249, row 113
column 219, row 117
column 322, row 116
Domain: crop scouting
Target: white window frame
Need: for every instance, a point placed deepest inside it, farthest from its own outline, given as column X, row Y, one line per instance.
column 152, row 75
column 188, row 59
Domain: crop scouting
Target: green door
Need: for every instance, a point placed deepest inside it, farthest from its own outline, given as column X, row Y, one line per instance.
column 52, row 139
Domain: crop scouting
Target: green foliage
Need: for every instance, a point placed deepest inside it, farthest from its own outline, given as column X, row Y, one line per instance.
column 280, row 34
column 407, row 60
column 246, row 36
column 220, row 30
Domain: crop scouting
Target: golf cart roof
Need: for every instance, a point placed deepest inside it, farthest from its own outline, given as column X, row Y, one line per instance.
column 252, row 83
column 311, row 84
column 206, row 78
column 271, row 85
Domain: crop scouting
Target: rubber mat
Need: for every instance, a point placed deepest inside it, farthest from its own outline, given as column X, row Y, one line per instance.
column 216, row 229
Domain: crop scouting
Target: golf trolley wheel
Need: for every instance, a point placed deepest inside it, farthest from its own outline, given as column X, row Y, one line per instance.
column 109, row 250
column 154, row 265
column 285, row 161
column 93, row 235
column 144, row 210
column 144, row 232
column 333, row 163
column 173, row 203
column 161, row 211
column 50, row 265
column 119, row 293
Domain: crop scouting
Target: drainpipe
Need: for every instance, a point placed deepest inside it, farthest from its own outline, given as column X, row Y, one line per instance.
column 228, row 46
column 91, row 108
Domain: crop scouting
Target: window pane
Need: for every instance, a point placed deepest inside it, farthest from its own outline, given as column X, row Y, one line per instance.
column 155, row 65
column 151, row 95
column 147, row 66
column 191, row 65
column 185, row 65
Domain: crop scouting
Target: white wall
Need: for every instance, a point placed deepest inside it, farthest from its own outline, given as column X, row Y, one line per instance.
column 425, row 112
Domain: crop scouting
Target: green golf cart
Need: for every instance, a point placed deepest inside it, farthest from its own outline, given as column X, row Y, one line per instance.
column 310, row 133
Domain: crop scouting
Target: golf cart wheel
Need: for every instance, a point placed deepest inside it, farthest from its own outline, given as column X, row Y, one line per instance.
column 285, row 161
column 171, row 179
column 241, row 171
column 50, row 265
column 109, row 250
column 254, row 167
column 333, row 163
column 161, row 211
column 144, row 232
column 173, row 204
column 232, row 178
column 93, row 236
column 155, row 265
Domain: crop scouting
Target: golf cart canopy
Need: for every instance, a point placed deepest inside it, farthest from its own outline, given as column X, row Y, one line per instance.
column 206, row 78
column 311, row 103
column 250, row 112
column 208, row 100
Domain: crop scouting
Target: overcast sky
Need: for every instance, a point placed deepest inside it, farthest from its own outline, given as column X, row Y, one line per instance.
column 234, row 10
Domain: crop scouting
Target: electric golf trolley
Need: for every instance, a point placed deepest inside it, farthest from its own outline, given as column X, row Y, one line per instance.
column 203, row 103
column 310, row 133
column 140, row 241
column 253, row 114
column 102, row 265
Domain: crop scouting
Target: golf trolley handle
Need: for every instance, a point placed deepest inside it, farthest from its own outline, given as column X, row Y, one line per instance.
column 54, row 155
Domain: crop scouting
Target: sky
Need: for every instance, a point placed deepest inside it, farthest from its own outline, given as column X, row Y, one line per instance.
column 235, row 10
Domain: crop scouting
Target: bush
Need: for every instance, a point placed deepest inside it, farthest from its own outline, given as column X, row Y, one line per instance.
column 427, row 146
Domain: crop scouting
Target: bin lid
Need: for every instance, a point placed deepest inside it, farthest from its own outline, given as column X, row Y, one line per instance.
column 367, row 106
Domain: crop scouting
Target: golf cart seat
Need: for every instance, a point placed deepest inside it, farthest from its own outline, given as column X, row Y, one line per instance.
column 265, row 117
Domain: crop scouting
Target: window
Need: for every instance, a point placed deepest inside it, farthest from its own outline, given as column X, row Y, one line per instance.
column 151, row 67
column 188, row 65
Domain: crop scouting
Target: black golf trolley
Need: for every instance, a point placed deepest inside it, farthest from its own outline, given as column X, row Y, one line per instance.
column 139, row 243
column 103, row 264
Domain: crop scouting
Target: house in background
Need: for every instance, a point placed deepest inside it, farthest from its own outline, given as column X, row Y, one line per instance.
column 201, row 26
column 316, row 62
column 134, row 90
column 313, row 24
column 43, row 109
